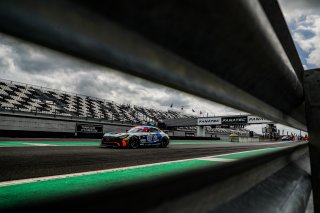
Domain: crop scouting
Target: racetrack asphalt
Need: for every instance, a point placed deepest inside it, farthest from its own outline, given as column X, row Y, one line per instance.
column 22, row 162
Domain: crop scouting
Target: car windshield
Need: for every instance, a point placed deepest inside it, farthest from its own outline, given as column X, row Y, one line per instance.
column 138, row 129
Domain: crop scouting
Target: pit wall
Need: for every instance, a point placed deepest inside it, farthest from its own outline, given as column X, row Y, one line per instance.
column 244, row 139
column 42, row 126
column 182, row 135
column 28, row 126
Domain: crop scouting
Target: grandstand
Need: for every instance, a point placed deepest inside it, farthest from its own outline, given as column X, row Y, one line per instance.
column 36, row 100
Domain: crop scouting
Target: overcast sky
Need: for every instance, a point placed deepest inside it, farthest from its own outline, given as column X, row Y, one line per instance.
column 28, row 63
column 303, row 19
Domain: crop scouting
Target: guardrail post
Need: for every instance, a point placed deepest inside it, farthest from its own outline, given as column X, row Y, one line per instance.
column 312, row 101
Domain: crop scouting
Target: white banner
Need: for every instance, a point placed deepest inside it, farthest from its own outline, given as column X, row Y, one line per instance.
column 209, row 121
column 257, row 120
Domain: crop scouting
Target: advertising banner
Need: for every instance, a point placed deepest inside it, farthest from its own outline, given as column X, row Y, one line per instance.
column 209, row 121
column 234, row 120
column 257, row 120
column 89, row 128
column 231, row 120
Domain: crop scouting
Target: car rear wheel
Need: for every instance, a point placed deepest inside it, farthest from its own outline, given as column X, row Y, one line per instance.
column 164, row 142
column 134, row 143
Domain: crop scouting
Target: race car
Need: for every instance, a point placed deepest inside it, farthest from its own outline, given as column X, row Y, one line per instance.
column 136, row 137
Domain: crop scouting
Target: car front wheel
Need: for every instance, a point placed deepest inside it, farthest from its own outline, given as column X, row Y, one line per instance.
column 134, row 143
column 164, row 142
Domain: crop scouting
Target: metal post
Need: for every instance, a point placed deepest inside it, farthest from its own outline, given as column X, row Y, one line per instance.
column 312, row 104
column 300, row 135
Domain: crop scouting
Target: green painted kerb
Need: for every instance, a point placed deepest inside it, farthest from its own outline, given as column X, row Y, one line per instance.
column 37, row 191
column 12, row 143
column 50, row 143
column 248, row 153
column 93, row 143
column 198, row 142
column 41, row 190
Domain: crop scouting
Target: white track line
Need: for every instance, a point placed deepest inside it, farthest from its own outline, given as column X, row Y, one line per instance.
column 31, row 180
column 217, row 159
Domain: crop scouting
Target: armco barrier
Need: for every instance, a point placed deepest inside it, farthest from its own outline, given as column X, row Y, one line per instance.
column 238, row 53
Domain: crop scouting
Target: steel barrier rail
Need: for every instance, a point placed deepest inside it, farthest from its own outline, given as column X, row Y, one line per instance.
column 312, row 91
column 274, row 14
column 238, row 53
column 224, row 51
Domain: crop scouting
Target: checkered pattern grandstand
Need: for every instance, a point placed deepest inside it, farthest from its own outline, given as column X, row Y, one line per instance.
column 34, row 99
column 29, row 98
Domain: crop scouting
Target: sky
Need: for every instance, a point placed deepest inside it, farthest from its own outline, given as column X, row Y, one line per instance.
column 303, row 19
column 32, row 64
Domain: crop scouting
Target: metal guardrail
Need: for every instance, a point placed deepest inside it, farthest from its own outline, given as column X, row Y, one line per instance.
column 238, row 53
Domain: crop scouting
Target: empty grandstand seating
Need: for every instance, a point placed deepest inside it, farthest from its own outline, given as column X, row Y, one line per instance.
column 34, row 99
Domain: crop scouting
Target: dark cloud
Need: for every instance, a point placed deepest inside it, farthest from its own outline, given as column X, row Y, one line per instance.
column 3, row 64
column 176, row 100
column 300, row 4
column 312, row 4
column 28, row 63
column 87, row 86
column 30, row 58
